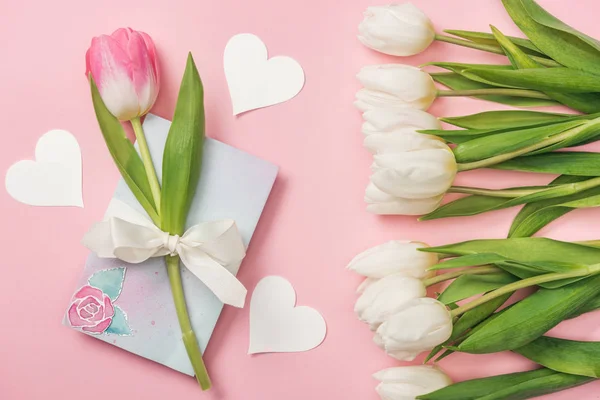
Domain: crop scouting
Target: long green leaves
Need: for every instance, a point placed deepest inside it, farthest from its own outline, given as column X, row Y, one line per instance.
column 531, row 317
column 467, row 286
column 182, row 158
column 568, row 356
column 124, row 155
column 563, row 43
column 504, row 119
column 564, row 163
column 518, row 386
column 486, row 38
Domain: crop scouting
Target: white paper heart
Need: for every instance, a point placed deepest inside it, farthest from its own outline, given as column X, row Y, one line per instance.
column 254, row 80
column 276, row 326
column 54, row 178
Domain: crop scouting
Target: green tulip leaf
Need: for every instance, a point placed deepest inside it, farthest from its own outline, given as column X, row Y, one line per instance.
column 520, row 60
column 543, row 79
column 455, row 81
column 516, row 386
column 590, row 306
column 531, row 317
column 508, row 142
column 487, row 38
column 467, row 286
column 505, row 119
column 568, row 356
column 182, row 158
column 125, row 156
column 469, row 260
column 567, row 163
column 554, row 38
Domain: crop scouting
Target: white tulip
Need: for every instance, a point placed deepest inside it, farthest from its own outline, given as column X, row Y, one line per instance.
column 387, row 120
column 417, row 174
column 396, row 29
column 379, row 202
column 407, row 383
column 394, row 86
column 418, row 326
column 365, row 284
column 385, row 297
column 394, row 257
column 402, row 141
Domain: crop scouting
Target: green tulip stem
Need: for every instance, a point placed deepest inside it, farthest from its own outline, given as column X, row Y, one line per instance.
column 490, row 48
column 524, row 283
column 532, row 94
column 488, row 162
column 147, row 160
column 189, row 337
column 509, row 194
column 484, row 270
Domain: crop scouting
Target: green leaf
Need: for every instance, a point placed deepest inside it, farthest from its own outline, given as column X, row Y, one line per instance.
column 531, row 317
column 508, row 142
column 553, row 37
column 457, row 82
column 542, row 79
column 487, row 38
column 534, row 216
column 110, row 281
column 517, row 386
column 469, row 260
column 568, row 356
column 567, row 163
column 466, row 286
column 520, row 60
column 505, row 119
column 477, row 204
column 125, row 156
column 119, row 324
column 459, row 68
column 590, row 306
column 526, row 250
column 182, row 158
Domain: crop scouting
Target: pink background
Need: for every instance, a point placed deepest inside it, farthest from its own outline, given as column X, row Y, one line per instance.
column 314, row 221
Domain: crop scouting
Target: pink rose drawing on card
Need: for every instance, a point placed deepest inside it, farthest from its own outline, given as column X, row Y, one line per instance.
column 92, row 309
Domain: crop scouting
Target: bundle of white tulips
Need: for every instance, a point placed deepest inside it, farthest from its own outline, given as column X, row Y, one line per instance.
column 415, row 161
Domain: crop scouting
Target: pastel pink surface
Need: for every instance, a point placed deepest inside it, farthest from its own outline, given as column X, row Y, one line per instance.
column 314, row 222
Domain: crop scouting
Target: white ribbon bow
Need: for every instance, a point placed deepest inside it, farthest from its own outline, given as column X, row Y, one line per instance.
column 206, row 249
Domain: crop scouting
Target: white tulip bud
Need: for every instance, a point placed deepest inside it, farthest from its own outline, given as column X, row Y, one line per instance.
column 394, row 86
column 383, row 298
column 407, row 383
column 418, row 174
column 394, row 257
column 418, row 326
column 402, row 141
column 379, row 202
column 365, row 284
column 396, row 29
column 387, row 120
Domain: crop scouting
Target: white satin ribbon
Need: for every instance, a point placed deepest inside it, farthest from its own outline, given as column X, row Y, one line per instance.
column 206, row 249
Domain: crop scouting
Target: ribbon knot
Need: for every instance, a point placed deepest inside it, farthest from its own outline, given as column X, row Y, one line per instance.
column 171, row 242
column 212, row 251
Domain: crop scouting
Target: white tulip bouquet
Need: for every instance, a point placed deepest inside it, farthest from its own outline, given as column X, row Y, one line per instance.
column 393, row 302
column 416, row 161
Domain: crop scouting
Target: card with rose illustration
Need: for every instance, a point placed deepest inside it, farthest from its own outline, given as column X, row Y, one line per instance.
column 130, row 305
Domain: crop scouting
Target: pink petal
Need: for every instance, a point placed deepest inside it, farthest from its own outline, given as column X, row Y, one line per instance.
column 107, row 59
column 92, row 308
column 99, row 328
column 109, row 310
column 121, row 36
column 74, row 319
column 85, row 314
column 142, row 66
column 152, row 54
column 89, row 291
column 98, row 315
column 87, row 301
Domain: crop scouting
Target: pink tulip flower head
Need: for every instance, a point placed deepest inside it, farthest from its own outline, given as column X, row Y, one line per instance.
column 125, row 69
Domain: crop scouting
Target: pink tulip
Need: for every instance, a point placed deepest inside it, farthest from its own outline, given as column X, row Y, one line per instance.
column 125, row 69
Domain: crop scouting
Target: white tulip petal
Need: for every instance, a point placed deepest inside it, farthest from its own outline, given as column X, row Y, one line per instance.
column 396, row 29
column 386, row 296
column 394, row 257
column 420, row 325
column 383, row 120
column 401, row 141
column 365, row 284
column 406, row 383
column 415, row 174
column 402, row 206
